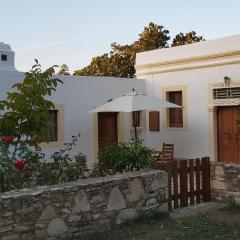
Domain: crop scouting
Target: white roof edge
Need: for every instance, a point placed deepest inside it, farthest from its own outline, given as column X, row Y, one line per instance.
column 209, row 47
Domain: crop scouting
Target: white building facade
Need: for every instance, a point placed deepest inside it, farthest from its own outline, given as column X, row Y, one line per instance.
column 205, row 79
column 202, row 77
column 73, row 100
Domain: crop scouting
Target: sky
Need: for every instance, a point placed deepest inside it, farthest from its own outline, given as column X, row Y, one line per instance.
column 72, row 32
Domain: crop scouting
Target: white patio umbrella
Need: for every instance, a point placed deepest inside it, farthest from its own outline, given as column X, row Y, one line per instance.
column 132, row 102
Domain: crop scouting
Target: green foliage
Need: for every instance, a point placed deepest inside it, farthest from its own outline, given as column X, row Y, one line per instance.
column 152, row 217
column 124, row 157
column 120, row 61
column 232, row 208
column 37, row 171
column 24, row 122
column 24, row 113
column 63, row 167
column 13, row 178
column 64, row 70
column 187, row 38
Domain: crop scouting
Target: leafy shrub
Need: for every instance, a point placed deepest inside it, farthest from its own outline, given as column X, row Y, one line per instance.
column 15, row 174
column 24, row 123
column 63, row 167
column 124, row 157
column 33, row 169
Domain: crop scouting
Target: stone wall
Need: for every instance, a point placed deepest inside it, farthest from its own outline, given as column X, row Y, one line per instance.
column 78, row 208
column 225, row 181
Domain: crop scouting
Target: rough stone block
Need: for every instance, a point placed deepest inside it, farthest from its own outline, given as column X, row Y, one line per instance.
column 126, row 215
column 136, row 190
column 56, row 227
column 219, row 171
column 74, row 218
column 48, row 213
column 163, row 207
column 11, row 237
column 151, row 201
column 81, row 203
column 116, row 200
column 160, row 182
column 219, row 185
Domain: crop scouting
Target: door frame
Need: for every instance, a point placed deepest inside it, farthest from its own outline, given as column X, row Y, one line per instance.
column 114, row 117
column 218, row 137
column 213, row 132
column 213, row 104
column 121, row 127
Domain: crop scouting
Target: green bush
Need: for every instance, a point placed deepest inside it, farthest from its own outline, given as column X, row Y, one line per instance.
column 63, row 167
column 124, row 157
column 33, row 169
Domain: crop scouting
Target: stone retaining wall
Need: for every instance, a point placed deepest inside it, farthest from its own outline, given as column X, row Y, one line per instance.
column 78, row 208
column 225, row 181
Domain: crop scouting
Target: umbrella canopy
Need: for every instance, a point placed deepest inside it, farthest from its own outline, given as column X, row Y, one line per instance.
column 134, row 101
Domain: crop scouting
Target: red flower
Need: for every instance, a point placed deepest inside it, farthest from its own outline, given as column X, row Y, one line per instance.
column 20, row 164
column 8, row 139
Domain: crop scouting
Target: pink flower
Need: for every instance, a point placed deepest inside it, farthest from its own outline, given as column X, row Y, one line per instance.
column 20, row 164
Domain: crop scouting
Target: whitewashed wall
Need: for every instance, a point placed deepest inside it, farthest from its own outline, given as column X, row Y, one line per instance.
column 194, row 141
column 79, row 95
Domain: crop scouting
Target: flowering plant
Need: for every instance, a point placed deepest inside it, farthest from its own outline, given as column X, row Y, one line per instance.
column 20, row 164
column 24, row 119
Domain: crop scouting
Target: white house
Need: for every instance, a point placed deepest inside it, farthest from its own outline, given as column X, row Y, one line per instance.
column 202, row 77
column 73, row 100
column 205, row 78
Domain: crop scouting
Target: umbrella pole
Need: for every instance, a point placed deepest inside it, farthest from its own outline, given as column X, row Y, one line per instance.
column 135, row 132
column 135, row 125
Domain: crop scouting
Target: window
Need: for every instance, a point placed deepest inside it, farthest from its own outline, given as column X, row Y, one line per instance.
column 136, row 118
column 225, row 93
column 154, row 123
column 175, row 115
column 53, row 126
column 4, row 57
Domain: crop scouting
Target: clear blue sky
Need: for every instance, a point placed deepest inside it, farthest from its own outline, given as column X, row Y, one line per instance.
column 73, row 31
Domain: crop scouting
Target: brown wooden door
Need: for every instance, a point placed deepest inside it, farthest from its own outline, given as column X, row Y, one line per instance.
column 228, row 135
column 107, row 129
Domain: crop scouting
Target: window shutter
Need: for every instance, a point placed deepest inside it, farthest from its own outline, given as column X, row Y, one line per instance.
column 154, row 122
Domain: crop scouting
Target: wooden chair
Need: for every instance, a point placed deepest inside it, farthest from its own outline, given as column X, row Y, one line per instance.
column 167, row 153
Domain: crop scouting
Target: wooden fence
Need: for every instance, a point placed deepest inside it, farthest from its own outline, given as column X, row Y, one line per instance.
column 188, row 181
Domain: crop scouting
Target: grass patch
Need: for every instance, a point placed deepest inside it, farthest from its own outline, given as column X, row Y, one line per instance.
column 232, row 208
column 152, row 217
column 159, row 226
column 202, row 227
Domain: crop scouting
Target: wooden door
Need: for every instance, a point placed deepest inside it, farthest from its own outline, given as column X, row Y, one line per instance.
column 228, row 135
column 107, row 129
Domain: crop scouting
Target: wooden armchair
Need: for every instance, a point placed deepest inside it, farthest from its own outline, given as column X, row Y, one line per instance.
column 167, row 153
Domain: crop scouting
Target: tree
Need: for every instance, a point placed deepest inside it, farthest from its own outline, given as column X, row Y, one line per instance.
column 64, row 70
column 187, row 38
column 24, row 113
column 24, row 123
column 121, row 59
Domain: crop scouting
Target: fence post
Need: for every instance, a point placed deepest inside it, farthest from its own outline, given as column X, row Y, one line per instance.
column 206, row 179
